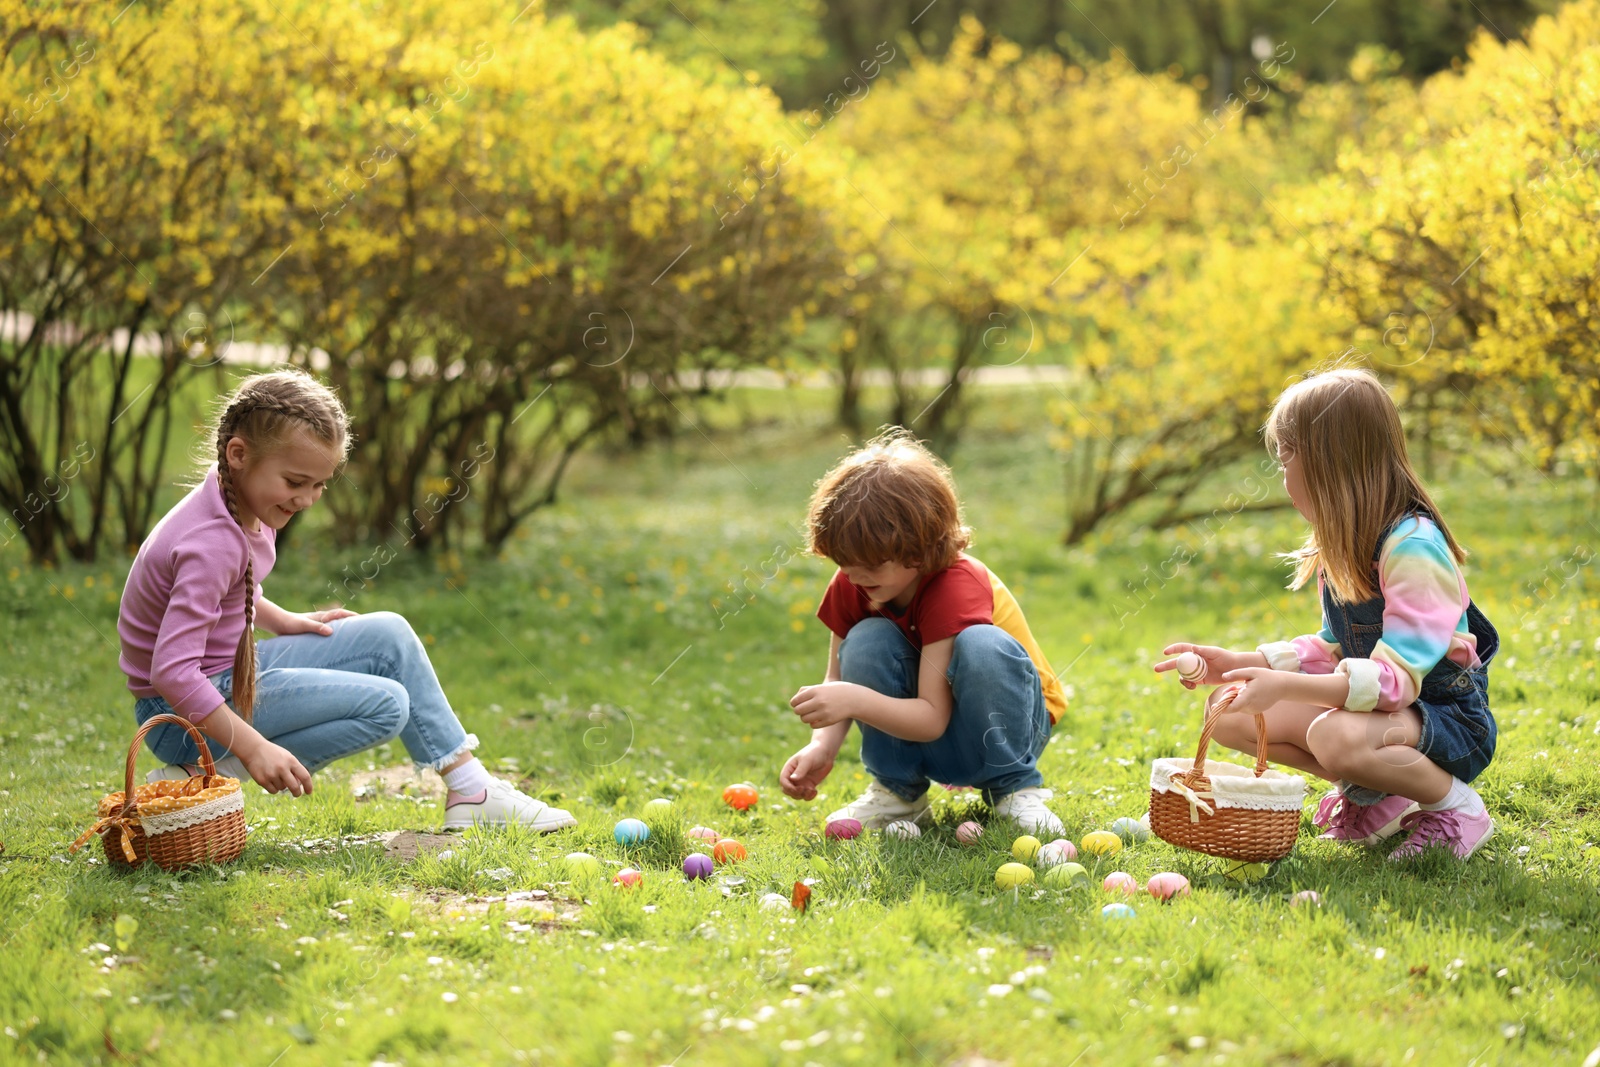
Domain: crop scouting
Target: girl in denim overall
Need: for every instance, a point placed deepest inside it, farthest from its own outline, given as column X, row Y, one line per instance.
column 1389, row 699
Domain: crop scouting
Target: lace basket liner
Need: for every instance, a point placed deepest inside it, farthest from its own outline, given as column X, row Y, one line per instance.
column 171, row 823
column 1222, row 809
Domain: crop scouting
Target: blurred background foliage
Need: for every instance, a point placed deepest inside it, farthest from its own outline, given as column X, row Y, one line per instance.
column 508, row 234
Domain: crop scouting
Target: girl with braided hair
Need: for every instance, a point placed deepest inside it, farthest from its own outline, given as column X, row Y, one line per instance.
column 331, row 683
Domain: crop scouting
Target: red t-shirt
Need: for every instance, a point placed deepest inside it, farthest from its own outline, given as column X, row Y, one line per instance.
column 944, row 604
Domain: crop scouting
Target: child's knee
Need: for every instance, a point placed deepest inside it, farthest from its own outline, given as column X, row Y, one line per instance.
column 392, row 628
column 1339, row 740
column 869, row 641
column 986, row 649
column 390, row 709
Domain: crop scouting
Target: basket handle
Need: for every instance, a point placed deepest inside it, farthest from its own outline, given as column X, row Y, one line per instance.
column 1214, row 715
column 129, row 801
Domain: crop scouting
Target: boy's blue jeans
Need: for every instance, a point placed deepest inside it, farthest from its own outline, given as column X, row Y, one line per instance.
column 998, row 725
column 323, row 698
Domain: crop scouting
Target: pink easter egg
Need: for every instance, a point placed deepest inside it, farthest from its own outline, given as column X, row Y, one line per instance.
column 1306, row 896
column 843, row 829
column 628, row 877
column 1120, row 882
column 969, row 832
column 1167, row 885
column 705, row 833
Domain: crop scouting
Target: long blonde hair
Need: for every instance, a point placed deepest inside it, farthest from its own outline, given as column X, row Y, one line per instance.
column 1345, row 431
column 263, row 412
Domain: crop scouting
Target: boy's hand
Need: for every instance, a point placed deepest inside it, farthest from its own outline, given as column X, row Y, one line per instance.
column 1218, row 661
column 827, row 704
column 274, row 768
column 805, row 771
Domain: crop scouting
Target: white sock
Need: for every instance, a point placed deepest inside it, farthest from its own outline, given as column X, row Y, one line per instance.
column 1462, row 797
column 469, row 778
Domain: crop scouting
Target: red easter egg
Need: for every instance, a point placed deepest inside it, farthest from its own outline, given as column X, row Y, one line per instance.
column 729, row 851
column 740, row 797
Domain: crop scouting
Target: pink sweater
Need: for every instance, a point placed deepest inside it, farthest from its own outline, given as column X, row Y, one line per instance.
column 183, row 607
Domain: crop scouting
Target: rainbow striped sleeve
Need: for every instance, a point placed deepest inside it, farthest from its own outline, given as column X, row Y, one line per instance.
column 1424, row 619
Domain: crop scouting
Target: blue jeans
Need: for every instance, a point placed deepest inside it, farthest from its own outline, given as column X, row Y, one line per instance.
column 323, row 698
column 998, row 723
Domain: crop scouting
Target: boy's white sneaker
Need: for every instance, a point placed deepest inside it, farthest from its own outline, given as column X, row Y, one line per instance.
column 500, row 805
column 1026, row 807
column 228, row 766
column 879, row 806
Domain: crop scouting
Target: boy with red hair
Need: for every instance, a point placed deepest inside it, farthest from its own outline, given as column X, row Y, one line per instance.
column 930, row 654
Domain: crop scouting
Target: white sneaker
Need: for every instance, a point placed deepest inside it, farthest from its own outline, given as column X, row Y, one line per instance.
column 878, row 807
column 1026, row 807
column 500, row 805
column 229, row 766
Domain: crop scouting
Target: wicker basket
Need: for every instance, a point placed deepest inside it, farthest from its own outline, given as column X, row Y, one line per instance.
column 1223, row 809
column 172, row 824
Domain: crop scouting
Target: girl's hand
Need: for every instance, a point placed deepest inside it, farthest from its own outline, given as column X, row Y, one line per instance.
column 1263, row 687
column 1217, row 660
column 274, row 768
column 805, row 771
column 827, row 704
column 312, row 622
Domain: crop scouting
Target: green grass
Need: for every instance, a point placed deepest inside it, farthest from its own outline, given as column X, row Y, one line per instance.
column 590, row 658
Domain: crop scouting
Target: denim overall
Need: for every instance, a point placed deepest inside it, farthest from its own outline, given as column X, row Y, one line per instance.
column 1458, row 731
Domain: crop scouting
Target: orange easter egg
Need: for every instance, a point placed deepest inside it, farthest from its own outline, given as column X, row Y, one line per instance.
column 729, row 851
column 740, row 797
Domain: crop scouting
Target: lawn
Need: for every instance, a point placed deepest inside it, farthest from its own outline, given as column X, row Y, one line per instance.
column 605, row 662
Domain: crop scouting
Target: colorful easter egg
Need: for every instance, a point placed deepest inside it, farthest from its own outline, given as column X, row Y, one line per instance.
column 705, row 833
column 1130, row 830
column 696, row 865
column 1306, row 896
column 631, row 832
column 729, row 851
column 1120, row 882
column 904, row 829
column 1024, row 848
column 1057, row 852
column 658, row 807
column 969, row 832
column 1191, row 668
column 1102, row 843
column 628, row 877
column 1167, row 885
column 1066, row 875
column 1241, row 871
column 774, row 902
column 741, row 797
column 582, row 863
column 1117, row 910
column 1011, row 875
column 843, row 829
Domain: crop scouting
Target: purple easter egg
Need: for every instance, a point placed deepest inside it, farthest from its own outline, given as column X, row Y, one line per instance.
column 697, row 865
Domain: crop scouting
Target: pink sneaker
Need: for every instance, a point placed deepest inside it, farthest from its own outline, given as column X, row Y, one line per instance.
column 1347, row 821
column 1456, row 830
